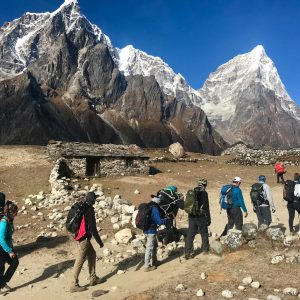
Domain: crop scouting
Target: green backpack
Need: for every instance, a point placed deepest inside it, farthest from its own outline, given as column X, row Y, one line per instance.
column 191, row 205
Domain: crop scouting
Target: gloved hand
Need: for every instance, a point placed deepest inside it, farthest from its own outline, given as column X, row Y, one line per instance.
column 101, row 244
column 254, row 209
column 273, row 210
column 208, row 223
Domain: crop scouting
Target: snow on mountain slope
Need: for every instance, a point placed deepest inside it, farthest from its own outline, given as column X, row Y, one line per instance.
column 24, row 40
column 136, row 62
column 220, row 92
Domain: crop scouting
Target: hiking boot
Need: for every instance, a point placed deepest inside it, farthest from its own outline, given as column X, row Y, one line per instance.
column 157, row 263
column 150, row 268
column 188, row 256
column 77, row 288
column 96, row 281
column 5, row 289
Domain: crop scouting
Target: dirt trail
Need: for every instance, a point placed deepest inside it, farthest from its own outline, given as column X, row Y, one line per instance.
column 25, row 170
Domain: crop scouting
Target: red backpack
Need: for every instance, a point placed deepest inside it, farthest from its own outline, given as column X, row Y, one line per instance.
column 279, row 168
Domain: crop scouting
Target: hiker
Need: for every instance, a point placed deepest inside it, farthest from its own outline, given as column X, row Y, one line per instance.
column 199, row 218
column 2, row 202
column 7, row 253
column 294, row 204
column 262, row 201
column 170, row 200
column 234, row 213
column 279, row 171
column 156, row 218
column 85, row 247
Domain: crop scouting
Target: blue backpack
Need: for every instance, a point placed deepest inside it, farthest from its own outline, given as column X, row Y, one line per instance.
column 226, row 197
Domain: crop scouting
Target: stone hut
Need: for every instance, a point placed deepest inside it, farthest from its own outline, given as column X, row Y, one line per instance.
column 96, row 160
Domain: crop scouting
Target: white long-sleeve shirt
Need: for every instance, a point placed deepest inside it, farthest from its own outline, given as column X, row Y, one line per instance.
column 268, row 195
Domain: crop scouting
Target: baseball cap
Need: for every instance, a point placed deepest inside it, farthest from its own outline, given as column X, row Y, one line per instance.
column 262, row 178
column 237, row 179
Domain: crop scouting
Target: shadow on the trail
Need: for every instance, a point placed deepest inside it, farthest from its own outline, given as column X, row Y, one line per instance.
column 51, row 271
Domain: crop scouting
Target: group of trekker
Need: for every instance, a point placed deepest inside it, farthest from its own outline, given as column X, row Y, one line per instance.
column 196, row 204
column 161, row 210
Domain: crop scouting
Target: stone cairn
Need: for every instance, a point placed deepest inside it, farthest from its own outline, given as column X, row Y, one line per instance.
column 246, row 155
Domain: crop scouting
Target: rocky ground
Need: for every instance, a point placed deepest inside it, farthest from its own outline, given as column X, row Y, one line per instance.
column 47, row 252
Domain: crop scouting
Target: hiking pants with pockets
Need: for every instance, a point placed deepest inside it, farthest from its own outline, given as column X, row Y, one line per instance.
column 151, row 250
column 13, row 264
column 292, row 208
column 263, row 214
column 235, row 218
column 85, row 251
column 197, row 224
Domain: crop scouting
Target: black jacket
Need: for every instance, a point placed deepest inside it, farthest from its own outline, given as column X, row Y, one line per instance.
column 202, row 198
column 91, row 228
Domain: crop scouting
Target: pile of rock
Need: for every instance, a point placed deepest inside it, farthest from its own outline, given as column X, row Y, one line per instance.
column 121, row 241
column 245, row 155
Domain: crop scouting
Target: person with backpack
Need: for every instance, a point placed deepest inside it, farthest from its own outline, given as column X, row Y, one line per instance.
column 262, row 201
column 233, row 202
column 291, row 194
column 7, row 253
column 279, row 171
column 85, row 247
column 155, row 219
column 197, row 207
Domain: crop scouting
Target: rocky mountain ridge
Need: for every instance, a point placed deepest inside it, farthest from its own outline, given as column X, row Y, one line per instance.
column 244, row 99
column 61, row 80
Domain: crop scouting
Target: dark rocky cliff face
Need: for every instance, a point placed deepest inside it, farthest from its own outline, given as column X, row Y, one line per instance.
column 72, row 90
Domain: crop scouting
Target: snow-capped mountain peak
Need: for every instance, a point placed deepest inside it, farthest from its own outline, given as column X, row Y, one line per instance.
column 219, row 92
column 132, row 61
column 24, row 40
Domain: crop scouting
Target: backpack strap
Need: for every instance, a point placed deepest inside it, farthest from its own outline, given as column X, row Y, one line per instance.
column 3, row 218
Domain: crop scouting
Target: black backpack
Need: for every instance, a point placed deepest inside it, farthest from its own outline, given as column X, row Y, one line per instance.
column 288, row 191
column 143, row 217
column 257, row 195
column 74, row 217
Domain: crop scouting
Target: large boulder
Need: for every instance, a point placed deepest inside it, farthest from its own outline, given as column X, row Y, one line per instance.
column 216, row 247
column 249, row 231
column 177, row 150
column 234, row 239
column 123, row 236
column 275, row 234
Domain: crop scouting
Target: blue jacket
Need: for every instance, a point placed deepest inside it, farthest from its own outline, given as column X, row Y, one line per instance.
column 156, row 220
column 6, row 232
column 238, row 200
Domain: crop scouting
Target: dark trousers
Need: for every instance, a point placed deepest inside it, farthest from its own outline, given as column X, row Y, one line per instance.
column 292, row 208
column 280, row 176
column 13, row 264
column 197, row 224
column 235, row 218
column 263, row 214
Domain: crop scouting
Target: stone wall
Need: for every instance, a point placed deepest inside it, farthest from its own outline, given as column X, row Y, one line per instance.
column 245, row 155
column 126, row 166
column 110, row 166
column 77, row 165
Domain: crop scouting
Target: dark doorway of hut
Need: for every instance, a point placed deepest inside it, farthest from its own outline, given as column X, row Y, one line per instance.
column 93, row 166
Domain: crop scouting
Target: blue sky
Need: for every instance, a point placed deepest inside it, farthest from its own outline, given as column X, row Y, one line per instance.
column 193, row 36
